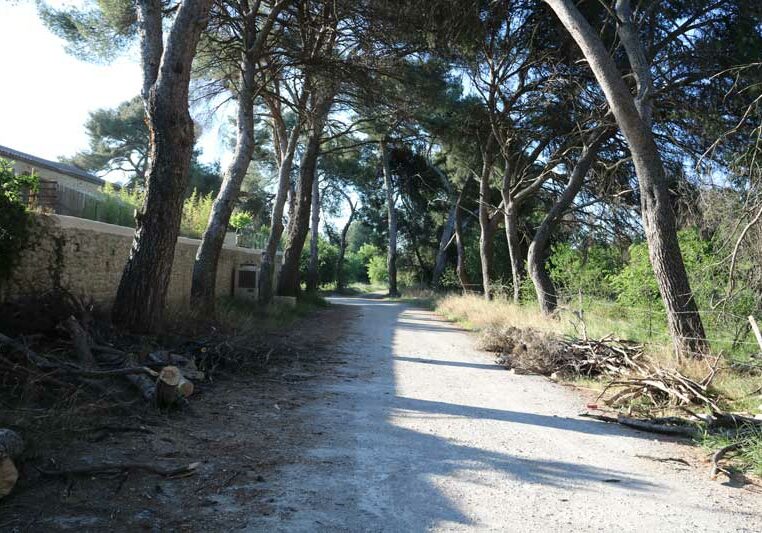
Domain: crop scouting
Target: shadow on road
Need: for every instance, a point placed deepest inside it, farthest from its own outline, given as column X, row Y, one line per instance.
column 401, row 478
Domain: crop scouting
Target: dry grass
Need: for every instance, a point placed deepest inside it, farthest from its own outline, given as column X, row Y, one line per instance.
column 475, row 313
column 740, row 390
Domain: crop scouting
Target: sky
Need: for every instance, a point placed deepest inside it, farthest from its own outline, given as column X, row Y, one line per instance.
column 46, row 94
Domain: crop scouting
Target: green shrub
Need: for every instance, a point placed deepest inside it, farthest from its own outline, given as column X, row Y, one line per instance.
column 241, row 219
column 196, row 211
column 14, row 220
column 377, row 269
column 574, row 270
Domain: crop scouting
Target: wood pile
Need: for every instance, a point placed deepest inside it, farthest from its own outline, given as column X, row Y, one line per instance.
column 11, row 447
column 608, row 356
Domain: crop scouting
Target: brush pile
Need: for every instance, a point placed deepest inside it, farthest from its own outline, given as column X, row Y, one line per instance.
column 623, row 361
column 67, row 355
column 544, row 353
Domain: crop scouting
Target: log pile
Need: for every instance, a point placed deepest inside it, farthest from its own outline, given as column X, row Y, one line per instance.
column 157, row 381
column 11, row 447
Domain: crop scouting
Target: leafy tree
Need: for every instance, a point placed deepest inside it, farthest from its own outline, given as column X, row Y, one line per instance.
column 119, row 142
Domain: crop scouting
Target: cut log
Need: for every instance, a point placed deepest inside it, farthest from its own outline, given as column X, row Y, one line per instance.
column 11, row 446
column 8, row 476
column 165, row 358
column 171, row 385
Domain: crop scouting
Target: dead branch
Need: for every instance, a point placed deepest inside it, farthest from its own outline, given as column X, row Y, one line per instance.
column 717, row 457
column 666, row 426
column 122, row 467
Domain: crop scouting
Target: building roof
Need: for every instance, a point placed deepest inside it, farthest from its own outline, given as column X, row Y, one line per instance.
column 55, row 166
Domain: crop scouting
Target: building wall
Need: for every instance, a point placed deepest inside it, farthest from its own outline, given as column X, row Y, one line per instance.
column 71, row 182
column 87, row 258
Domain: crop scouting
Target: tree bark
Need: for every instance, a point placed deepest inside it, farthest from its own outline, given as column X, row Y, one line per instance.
column 460, row 269
column 487, row 224
column 288, row 282
column 204, row 281
column 510, row 214
column 340, row 279
column 391, row 256
column 444, row 242
column 285, row 145
column 447, row 230
column 313, row 270
column 683, row 318
column 141, row 296
column 537, row 255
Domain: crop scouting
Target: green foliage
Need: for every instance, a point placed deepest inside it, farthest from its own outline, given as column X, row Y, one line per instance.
column 241, row 219
column 367, row 251
column 114, row 206
column 377, row 269
column 196, row 211
column 574, row 270
column 99, row 32
column 327, row 255
column 14, row 220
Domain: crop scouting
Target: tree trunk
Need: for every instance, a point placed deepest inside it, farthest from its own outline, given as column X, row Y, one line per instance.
column 487, row 226
column 340, row 281
column 285, row 145
column 391, row 257
column 204, row 281
column 658, row 217
column 288, row 282
column 141, row 296
column 514, row 245
column 444, row 242
column 538, row 250
column 460, row 269
column 313, row 270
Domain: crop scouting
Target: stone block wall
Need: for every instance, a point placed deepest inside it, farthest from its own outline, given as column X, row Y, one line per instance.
column 87, row 258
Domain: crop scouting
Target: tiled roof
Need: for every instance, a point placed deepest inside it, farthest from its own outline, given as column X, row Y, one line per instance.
column 55, row 166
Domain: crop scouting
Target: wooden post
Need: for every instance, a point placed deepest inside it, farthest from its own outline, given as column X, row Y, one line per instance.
column 755, row 329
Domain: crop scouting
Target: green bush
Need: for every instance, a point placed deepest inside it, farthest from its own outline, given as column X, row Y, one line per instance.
column 573, row 270
column 327, row 255
column 196, row 211
column 14, row 220
column 377, row 270
column 241, row 219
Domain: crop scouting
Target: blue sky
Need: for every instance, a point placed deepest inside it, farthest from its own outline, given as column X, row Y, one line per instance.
column 45, row 94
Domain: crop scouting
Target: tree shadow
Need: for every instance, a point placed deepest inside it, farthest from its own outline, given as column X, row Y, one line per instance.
column 379, row 467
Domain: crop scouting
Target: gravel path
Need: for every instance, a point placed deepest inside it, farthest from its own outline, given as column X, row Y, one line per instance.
column 420, row 431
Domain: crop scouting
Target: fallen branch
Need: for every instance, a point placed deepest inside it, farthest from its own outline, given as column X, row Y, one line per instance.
column 122, row 467
column 717, row 457
column 671, row 426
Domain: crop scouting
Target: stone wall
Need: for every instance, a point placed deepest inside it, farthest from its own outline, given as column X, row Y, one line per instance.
column 87, row 258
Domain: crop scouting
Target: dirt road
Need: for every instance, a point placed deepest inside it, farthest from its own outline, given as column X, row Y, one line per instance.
column 418, row 431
